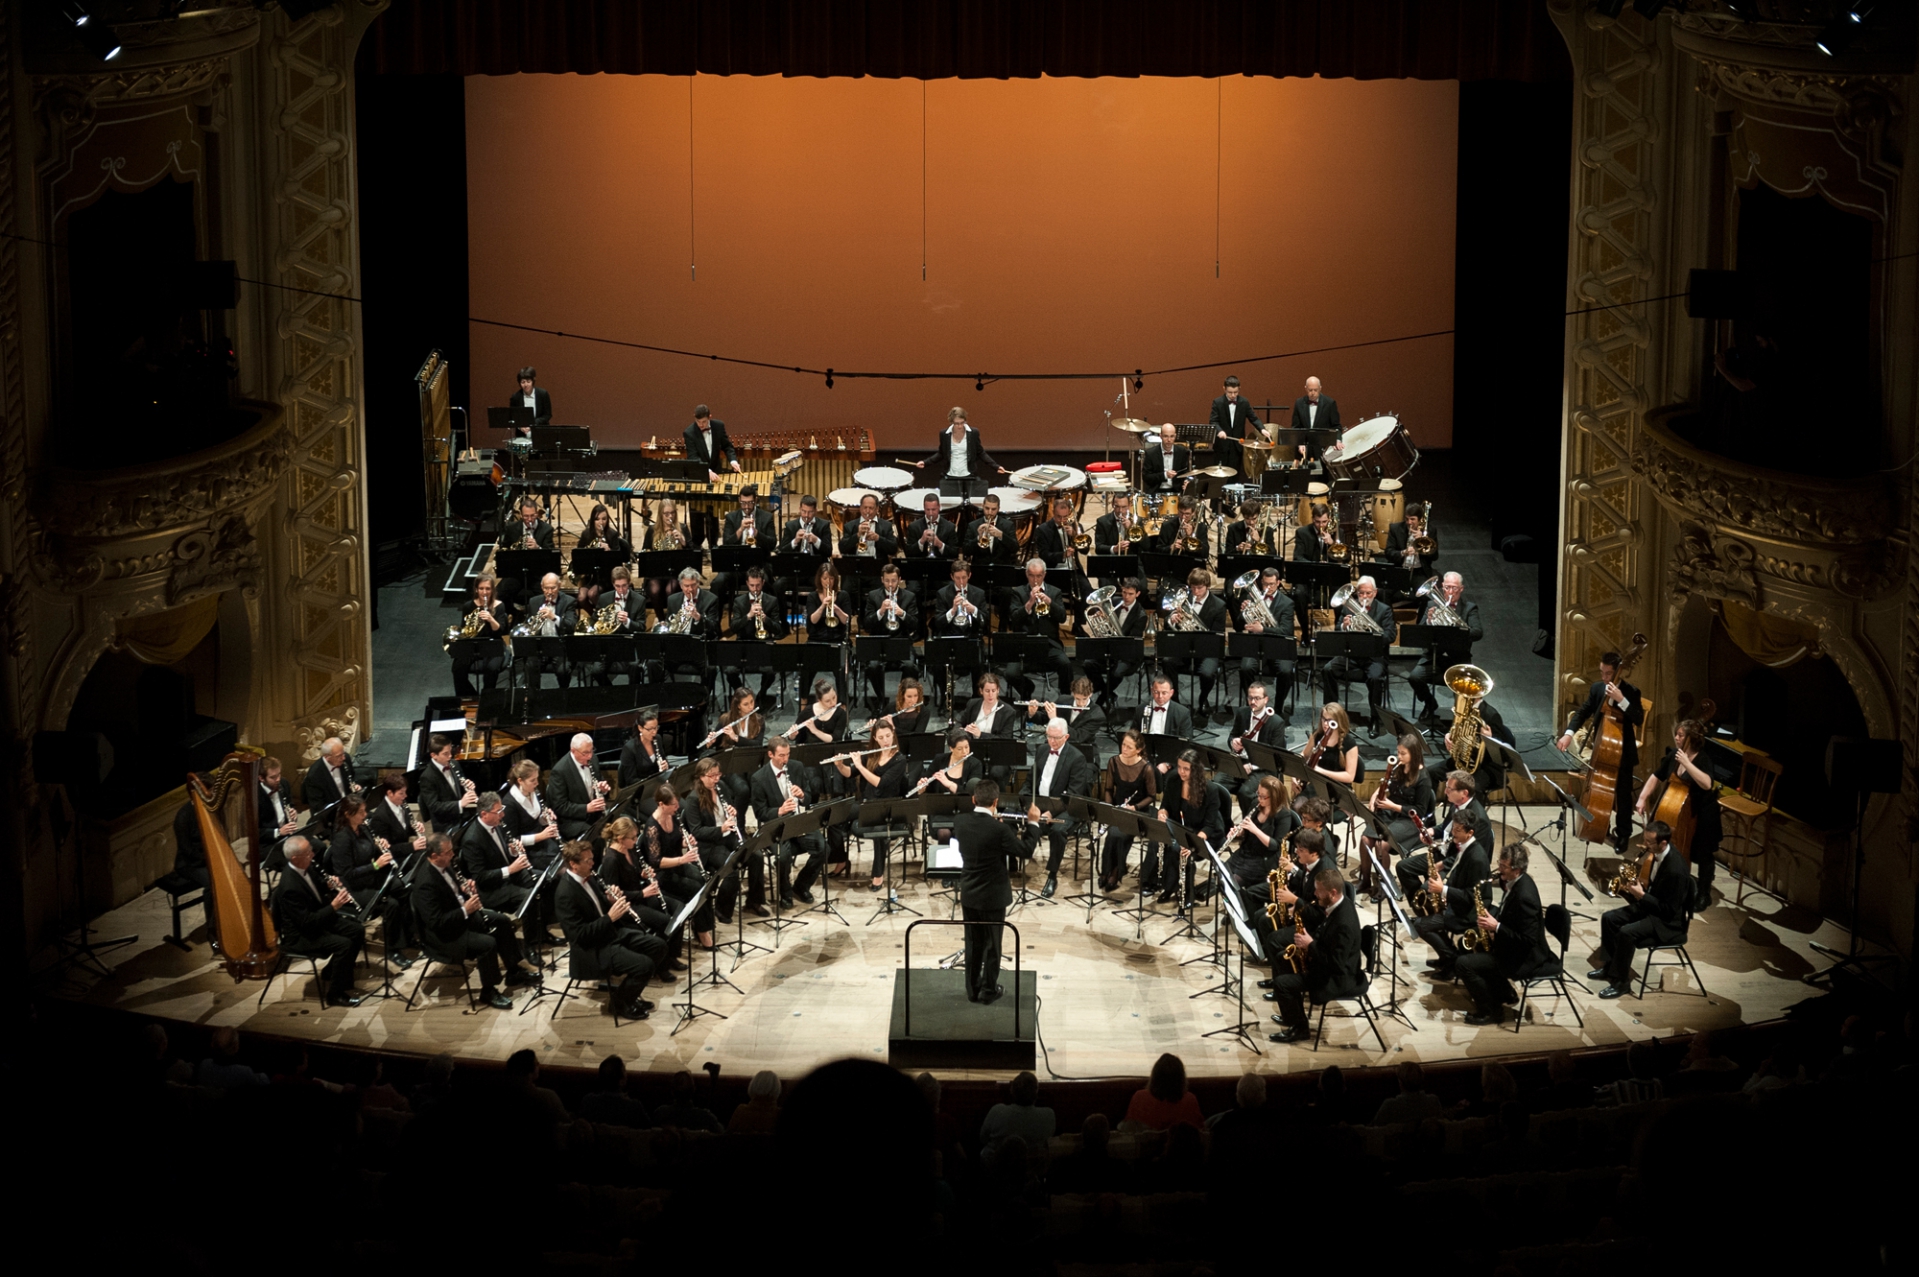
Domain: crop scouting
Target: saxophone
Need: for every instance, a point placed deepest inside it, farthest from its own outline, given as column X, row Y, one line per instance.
column 1470, row 685
column 1477, row 940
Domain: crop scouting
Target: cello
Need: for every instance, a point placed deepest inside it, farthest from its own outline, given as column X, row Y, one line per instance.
column 1607, row 738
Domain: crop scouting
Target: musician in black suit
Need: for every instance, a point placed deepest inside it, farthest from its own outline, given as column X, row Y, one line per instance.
column 528, row 531
column 1001, row 533
column 1472, row 861
column 1186, row 534
column 1129, row 614
column 959, row 453
column 1039, row 610
column 1059, row 769
column 1682, row 760
column 574, row 789
column 458, row 926
column 276, row 819
column 707, row 442
column 986, row 849
column 1155, row 475
column 1310, row 543
column 1295, row 894
column 605, row 933
column 1242, row 535
column 866, row 538
column 328, row 780
column 932, row 535
column 1232, row 420
column 780, row 788
column 1519, row 942
column 1457, row 798
column 1164, row 716
column 756, row 609
column 892, row 611
column 1112, row 531
column 307, row 913
column 629, row 618
column 1452, row 591
column 532, row 397
column 1258, row 719
column 550, row 613
column 1210, row 610
column 1623, row 697
column 362, row 866
column 1052, row 540
column 1399, row 543
column 1375, row 609
column 808, row 534
column 749, row 525
column 1314, row 411
column 1332, row 954
column 1084, row 720
column 1653, row 914
column 489, row 857
column 959, row 611
column 1279, row 672
column 446, row 797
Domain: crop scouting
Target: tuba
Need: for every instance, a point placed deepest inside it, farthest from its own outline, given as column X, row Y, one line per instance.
column 1180, row 614
column 1438, row 611
column 1100, row 622
column 1470, row 685
column 1252, row 608
column 1345, row 600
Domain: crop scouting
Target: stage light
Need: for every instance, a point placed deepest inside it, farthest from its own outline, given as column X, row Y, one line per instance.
column 76, row 13
column 1139, row 382
column 1838, row 35
column 979, row 382
column 829, row 378
column 100, row 41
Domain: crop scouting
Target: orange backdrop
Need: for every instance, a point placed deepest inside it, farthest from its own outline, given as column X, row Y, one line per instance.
column 1068, row 225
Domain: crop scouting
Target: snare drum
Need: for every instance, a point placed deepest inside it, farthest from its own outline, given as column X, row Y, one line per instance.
column 1316, row 494
column 882, row 478
column 1389, row 507
column 1379, row 447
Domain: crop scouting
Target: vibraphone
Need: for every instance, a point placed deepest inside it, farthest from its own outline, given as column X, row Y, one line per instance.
column 826, row 462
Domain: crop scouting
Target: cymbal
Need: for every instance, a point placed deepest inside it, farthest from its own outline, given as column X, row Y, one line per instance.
column 1258, row 445
column 1133, row 426
column 1212, row 472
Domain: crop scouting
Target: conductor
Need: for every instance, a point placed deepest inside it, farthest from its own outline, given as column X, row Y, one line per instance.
column 986, row 846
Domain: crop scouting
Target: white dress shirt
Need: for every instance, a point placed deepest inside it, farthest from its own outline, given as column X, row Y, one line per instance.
column 1046, row 773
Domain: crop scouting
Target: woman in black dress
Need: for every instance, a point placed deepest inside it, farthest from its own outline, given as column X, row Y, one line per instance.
column 625, row 866
column 743, row 727
column 875, row 777
column 599, row 533
column 527, row 817
column 961, row 771
column 909, row 715
column 1338, row 752
column 495, row 617
column 1404, row 799
column 1262, row 833
column 1130, row 782
column 1702, row 800
column 713, row 818
column 643, row 757
column 361, row 863
column 826, row 616
column 1190, row 800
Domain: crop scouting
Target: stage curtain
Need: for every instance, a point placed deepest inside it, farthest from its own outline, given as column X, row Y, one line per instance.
column 1773, row 641
column 974, row 39
column 165, row 638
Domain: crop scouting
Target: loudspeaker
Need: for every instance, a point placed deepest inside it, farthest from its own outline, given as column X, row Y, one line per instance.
column 1716, row 294
column 78, row 760
column 1863, row 765
column 473, row 496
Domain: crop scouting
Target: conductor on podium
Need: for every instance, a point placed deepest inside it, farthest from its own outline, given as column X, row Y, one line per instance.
column 986, row 848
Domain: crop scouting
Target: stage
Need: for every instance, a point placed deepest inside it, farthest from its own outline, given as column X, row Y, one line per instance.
column 1110, row 997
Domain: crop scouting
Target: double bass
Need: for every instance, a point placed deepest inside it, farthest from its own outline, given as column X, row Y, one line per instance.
column 1675, row 800
column 1607, row 738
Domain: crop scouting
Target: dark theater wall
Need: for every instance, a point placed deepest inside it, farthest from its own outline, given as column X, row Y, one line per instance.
column 1069, row 225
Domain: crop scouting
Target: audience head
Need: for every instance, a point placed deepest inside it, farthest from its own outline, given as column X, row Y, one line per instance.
column 1251, row 1091
column 765, row 1086
column 1094, row 1132
column 1411, row 1077
column 613, row 1073
column 1167, row 1082
column 522, row 1066
column 1024, row 1089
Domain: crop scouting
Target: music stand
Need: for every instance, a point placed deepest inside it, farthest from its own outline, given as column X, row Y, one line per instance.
column 519, row 417
column 1315, row 441
column 1183, row 840
column 1243, row 1031
column 1284, row 482
column 1508, row 758
column 814, row 820
column 884, row 649
column 1568, row 804
column 649, row 565
column 1228, row 890
column 767, row 834
column 1321, row 578
column 1112, row 568
column 887, row 811
column 1391, row 900
column 527, row 565
column 1187, row 648
column 965, row 487
column 735, row 559
column 1028, row 650
column 1266, row 649
column 953, row 653
column 1169, row 567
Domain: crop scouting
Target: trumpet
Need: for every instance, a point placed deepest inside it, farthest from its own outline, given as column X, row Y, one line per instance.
column 1042, row 605
column 988, row 532
column 749, row 530
column 892, row 606
column 867, row 539
column 759, row 615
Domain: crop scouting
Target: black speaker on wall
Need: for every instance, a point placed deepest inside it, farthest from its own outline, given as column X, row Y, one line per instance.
column 1864, row 765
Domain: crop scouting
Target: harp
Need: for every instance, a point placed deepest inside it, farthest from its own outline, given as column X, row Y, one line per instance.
column 227, row 803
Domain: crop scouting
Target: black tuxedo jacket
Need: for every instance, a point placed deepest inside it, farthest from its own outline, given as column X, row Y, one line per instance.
column 1398, row 538
column 1020, row 621
column 269, row 821
column 1469, row 613
column 1519, row 946
column 1271, row 732
column 542, row 405
column 1005, row 718
column 299, row 913
column 1333, row 967
column 513, row 535
column 1669, row 895
column 350, row 858
column 485, row 862
column 943, row 604
column 319, row 790
column 1133, row 625
column 1238, row 533
column 1153, row 466
column 1053, row 545
column 943, row 529
column 1169, row 533
column 708, row 605
column 762, row 526
column 439, row 800
column 1233, row 423
column 1381, row 613
column 636, row 766
column 1635, row 717
column 872, row 623
column 723, row 454
column 763, row 790
column 770, row 608
column 886, row 543
column 1072, row 775
column 567, row 795
column 1280, row 605
column 381, row 823
column 1328, row 418
column 1179, row 721
column 438, row 911
column 1307, row 547
column 818, row 526
column 635, row 605
column 979, row 462
column 1442, row 826
column 986, row 848
column 1109, row 537
column 1082, row 727
column 1003, row 549
column 565, row 609
column 1471, row 867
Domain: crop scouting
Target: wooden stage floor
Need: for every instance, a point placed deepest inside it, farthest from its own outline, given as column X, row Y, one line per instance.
column 1110, row 1001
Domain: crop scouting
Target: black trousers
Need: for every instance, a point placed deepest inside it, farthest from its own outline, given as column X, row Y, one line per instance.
column 1622, row 933
column 488, row 668
column 1485, row 984
column 1106, row 681
column 489, row 941
column 1413, row 871
column 1331, row 672
column 626, row 962
column 1055, row 662
column 1208, row 670
column 1277, row 675
column 982, row 949
column 736, row 679
column 1438, row 931
column 1113, row 856
column 1289, row 990
column 1058, row 830
column 340, row 945
column 1705, row 853
column 1421, row 681
column 810, row 852
column 728, row 894
column 396, row 919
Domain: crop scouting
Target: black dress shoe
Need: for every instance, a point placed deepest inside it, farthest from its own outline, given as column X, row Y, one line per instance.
column 1052, row 885
column 1597, row 973
column 1437, row 963
column 759, row 911
column 802, row 895
column 1477, row 1020
column 1265, row 984
column 1611, row 991
column 521, row 980
column 1268, row 997
column 634, row 1013
column 351, row 998
column 1286, row 1035
column 786, row 902
column 725, row 916
column 992, row 994
column 400, row 961
column 497, row 1000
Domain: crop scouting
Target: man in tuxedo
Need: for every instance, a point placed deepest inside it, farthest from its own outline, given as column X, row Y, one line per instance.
column 550, row 613
column 1210, row 609
column 1653, row 914
column 756, row 607
column 446, row 797
column 1111, row 531
column 986, row 849
column 1084, row 720
column 1279, row 672
column 892, row 611
column 1472, row 861
column 607, row 934
column 1295, row 893
column 749, row 525
column 1452, row 591
column 1000, row 530
column 1310, row 543
column 1399, row 544
column 276, row 817
column 1624, row 698
column 1164, row 716
column 1163, row 461
column 807, row 533
column 707, row 443
column 1256, row 720
column 1130, row 615
column 531, row 397
column 932, row 535
column 779, row 789
column 1314, row 411
column 1232, row 420
column 959, row 454
column 959, row 611
column 1187, row 531
column 629, row 617
column 387, row 817
column 1041, row 619
column 1052, row 541
column 1333, row 959
column 1456, row 790
column 328, row 780
column 1519, row 942
column 487, row 856
column 308, row 914
column 1059, row 769
column 574, row 789
column 880, row 541
column 529, row 531
column 1374, row 608
column 459, row 927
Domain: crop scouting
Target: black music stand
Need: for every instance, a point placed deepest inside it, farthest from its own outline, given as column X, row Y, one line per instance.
column 1568, row 805
column 887, row 811
column 1359, row 649
column 1245, row 1030
column 926, row 576
column 1315, row 441
column 817, row 818
column 885, row 648
column 1030, row 650
column 735, row 559
column 1108, row 653
column 683, row 925
column 1169, row 567
column 1225, row 889
column 767, row 834
column 595, row 566
column 1186, row 648
column 1267, row 649
column 1186, row 841
column 527, row 565
column 954, row 653
column 1284, row 482
column 666, row 565
column 1112, row 568
column 1320, row 578
column 519, row 417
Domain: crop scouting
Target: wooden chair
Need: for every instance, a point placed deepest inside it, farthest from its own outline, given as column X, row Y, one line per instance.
column 1746, row 816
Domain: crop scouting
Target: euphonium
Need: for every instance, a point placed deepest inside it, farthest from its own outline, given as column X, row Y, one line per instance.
column 1253, row 607
column 1345, row 599
column 1475, row 940
column 1438, row 611
column 1100, row 622
column 1179, row 612
column 1464, row 742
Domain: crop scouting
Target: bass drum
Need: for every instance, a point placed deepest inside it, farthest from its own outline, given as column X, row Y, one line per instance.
column 1389, row 507
column 1375, row 448
column 1316, row 494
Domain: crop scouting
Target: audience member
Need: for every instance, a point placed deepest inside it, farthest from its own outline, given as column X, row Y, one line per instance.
column 760, row 1115
column 378, row 1093
column 948, row 1140
column 1642, row 1086
column 1242, row 1142
column 1165, row 1102
column 682, row 1109
column 435, row 1085
column 1563, row 1090
column 609, row 1102
column 858, row 1123
column 1022, row 1116
column 222, row 1069
column 1328, row 1107
column 1496, row 1090
column 1414, row 1103
column 1091, row 1168
column 1181, row 1165
column 1508, row 1150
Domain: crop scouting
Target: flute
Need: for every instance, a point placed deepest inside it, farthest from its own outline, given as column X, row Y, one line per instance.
column 715, row 733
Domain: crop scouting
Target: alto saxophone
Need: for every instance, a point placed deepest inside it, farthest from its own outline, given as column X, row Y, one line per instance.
column 1477, row 940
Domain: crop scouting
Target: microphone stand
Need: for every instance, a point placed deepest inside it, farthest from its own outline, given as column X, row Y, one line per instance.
column 1567, row 805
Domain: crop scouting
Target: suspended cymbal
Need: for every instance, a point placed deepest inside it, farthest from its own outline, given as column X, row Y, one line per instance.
column 1133, row 426
column 1258, row 445
column 1211, row 472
